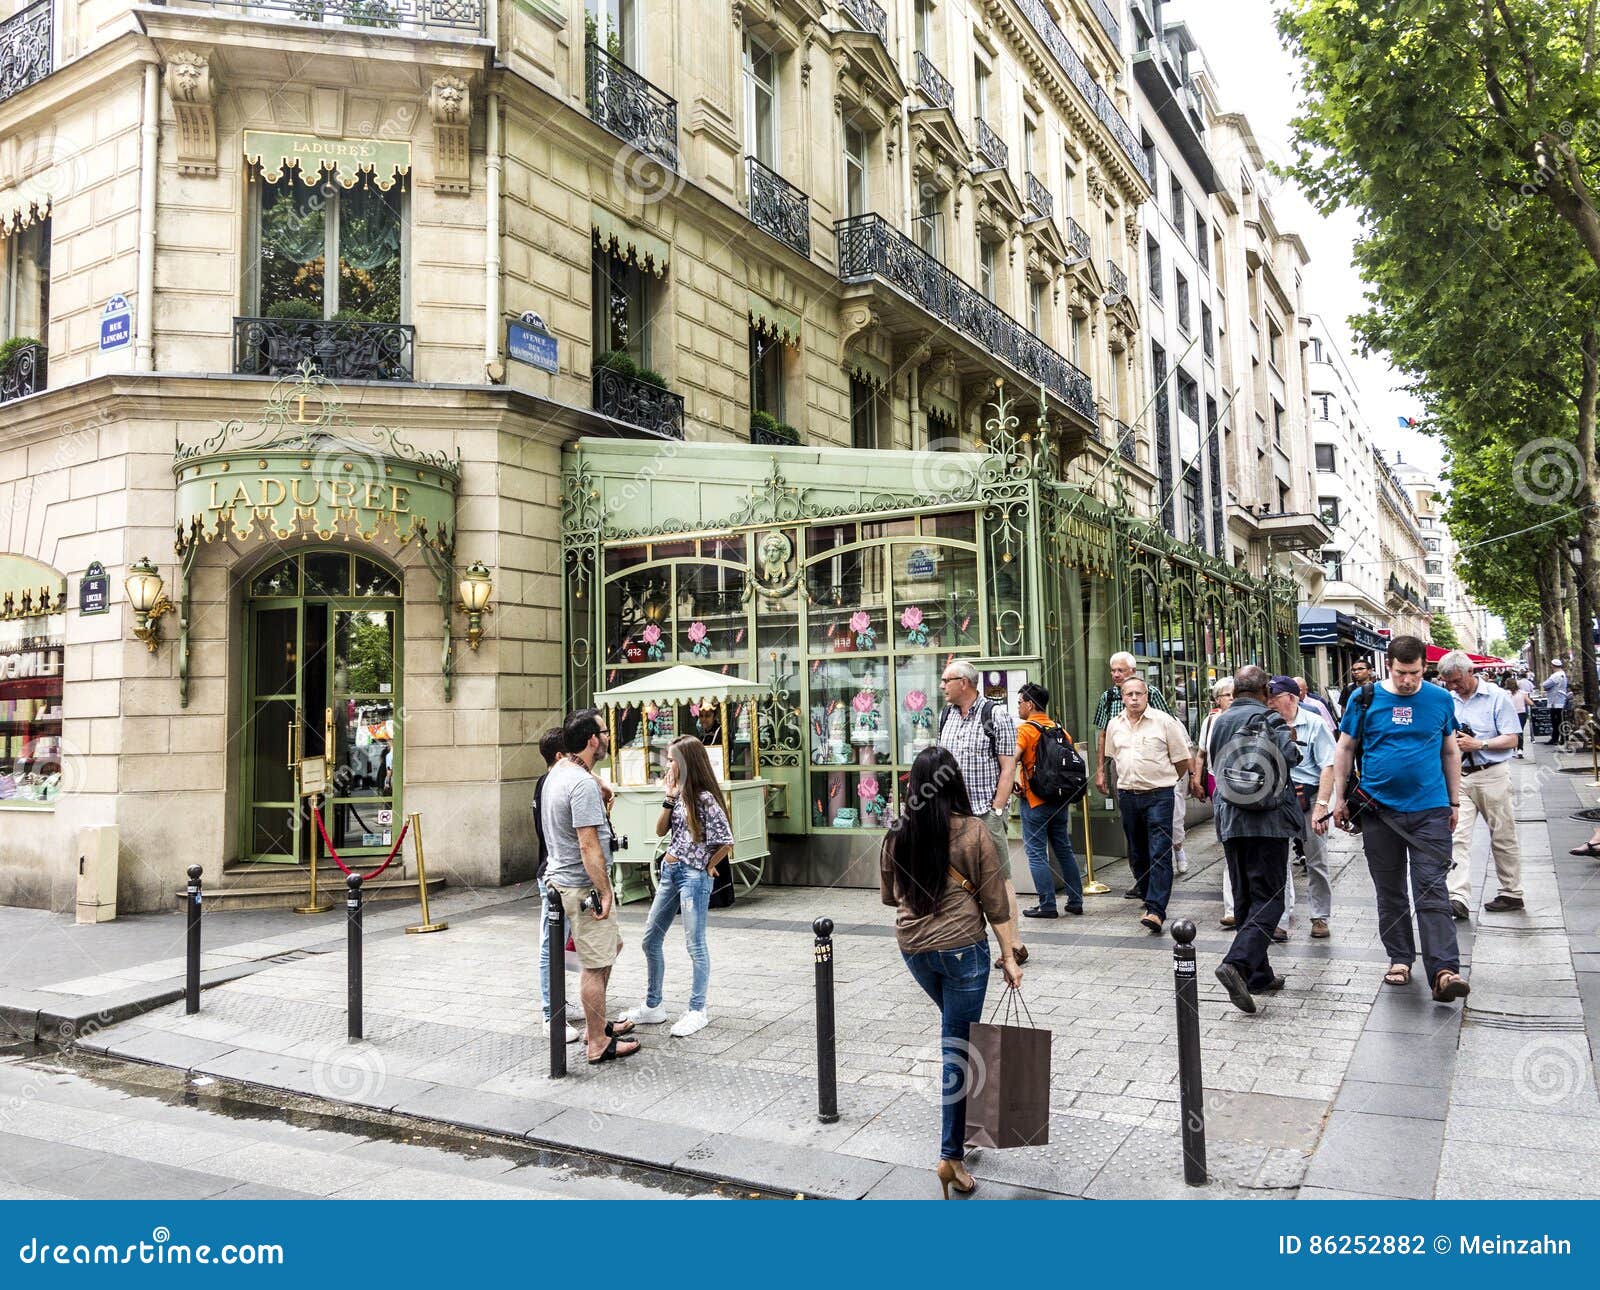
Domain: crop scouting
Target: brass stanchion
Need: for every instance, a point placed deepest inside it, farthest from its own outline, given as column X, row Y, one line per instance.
column 1090, row 886
column 1594, row 753
column 313, row 905
column 422, row 879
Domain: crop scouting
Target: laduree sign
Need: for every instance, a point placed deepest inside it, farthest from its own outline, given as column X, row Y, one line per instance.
column 309, row 155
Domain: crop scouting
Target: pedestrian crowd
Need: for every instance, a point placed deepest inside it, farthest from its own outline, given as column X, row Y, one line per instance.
column 1408, row 764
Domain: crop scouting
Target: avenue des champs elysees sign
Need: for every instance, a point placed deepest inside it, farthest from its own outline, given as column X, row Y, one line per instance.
column 304, row 472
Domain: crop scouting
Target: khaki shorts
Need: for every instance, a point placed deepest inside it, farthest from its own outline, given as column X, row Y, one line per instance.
column 599, row 940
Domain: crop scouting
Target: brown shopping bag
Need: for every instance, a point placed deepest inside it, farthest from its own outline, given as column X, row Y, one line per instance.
column 1008, row 1103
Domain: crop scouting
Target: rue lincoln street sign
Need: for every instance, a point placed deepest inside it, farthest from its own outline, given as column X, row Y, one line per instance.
column 94, row 590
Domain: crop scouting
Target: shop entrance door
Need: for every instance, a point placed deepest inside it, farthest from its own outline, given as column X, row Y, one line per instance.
column 322, row 679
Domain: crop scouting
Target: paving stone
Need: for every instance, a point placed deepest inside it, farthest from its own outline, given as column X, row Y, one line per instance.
column 475, row 1109
column 1383, row 1155
column 116, row 1178
column 1408, row 1101
column 1264, row 1118
column 1529, row 1130
column 618, row 1135
column 1405, row 1058
column 1465, row 1167
column 905, row 1183
column 168, row 1049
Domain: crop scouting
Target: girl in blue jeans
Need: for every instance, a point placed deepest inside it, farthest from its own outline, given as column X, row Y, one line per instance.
column 941, row 870
column 694, row 820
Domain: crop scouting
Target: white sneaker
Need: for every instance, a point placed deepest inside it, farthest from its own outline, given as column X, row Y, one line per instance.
column 644, row 1015
column 573, row 1034
column 1183, row 863
column 690, row 1023
column 575, row 1012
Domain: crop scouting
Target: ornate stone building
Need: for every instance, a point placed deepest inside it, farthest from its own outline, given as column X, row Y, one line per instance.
column 331, row 311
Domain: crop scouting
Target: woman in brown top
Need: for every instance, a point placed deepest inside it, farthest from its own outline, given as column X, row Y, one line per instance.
column 942, row 872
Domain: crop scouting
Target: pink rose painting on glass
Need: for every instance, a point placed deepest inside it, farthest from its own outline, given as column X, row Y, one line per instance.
column 873, row 803
column 861, row 624
column 916, row 703
column 697, row 639
column 915, row 628
column 652, row 639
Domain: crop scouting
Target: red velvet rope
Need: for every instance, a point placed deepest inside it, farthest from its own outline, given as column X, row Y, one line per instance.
column 366, row 877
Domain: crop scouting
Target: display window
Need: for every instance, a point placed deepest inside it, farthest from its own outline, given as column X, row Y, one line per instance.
column 32, row 689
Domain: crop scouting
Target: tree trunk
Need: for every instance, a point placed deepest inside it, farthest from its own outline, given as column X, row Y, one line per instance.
column 1552, row 619
column 1589, row 527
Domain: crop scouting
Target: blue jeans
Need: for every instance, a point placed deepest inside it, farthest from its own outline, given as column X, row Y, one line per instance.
column 685, row 887
column 956, row 980
column 1047, row 829
column 544, row 947
column 1147, row 824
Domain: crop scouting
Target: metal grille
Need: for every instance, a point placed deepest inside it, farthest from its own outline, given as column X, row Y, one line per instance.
column 25, row 372
column 25, row 42
column 639, row 403
column 1039, row 196
column 341, row 349
column 991, row 147
column 400, row 15
column 778, row 207
column 867, row 16
column 1116, row 281
column 932, row 83
column 623, row 102
column 1077, row 237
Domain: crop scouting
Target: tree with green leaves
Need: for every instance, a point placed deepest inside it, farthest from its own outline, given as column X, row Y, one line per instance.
column 1443, row 632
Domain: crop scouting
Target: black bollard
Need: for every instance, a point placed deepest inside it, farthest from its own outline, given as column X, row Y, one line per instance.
column 827, row 1064
column 191, row 985
column 352, row 914
column 1191, row 1092
column 558, row 984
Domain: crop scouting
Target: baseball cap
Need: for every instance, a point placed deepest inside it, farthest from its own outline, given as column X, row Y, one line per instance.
column 1283, row 685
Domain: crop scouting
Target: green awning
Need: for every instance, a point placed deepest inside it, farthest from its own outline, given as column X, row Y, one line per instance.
column 869, row 369
column 29, row 588
column 623, row 240
column 779, row 323
column 309, row 157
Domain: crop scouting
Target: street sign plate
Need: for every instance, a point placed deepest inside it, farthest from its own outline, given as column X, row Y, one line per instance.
column 116, row 325
column 313, row 776
column 532, row 345
column 94, row 590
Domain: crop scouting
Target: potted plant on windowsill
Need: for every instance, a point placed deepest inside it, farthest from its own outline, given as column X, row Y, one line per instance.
column 766, row 428
column 11, row 348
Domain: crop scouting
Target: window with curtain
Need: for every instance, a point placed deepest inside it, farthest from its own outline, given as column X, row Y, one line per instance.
column 326, row 251
column 621, row 308
column 856, row 201
column 766, row 374
column 761, row 102
column 929, row 223
column 25, row 287
column 863, row 414
column 986, row 268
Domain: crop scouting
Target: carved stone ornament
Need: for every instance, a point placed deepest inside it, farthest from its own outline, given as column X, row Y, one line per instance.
column 188, row 80
column 855, row 320
column 1130, row 226
column 450, row 102
column 1097, row 186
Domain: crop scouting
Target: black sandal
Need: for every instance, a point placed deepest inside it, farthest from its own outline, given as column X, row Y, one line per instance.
column 611, row 1054
column 615, row 1028
column 1587, row 849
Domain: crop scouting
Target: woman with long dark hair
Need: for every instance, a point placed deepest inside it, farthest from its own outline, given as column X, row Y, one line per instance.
column 943, row 873
column 694, row 820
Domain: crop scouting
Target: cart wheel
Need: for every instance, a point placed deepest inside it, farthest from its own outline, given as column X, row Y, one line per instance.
column 747, row 874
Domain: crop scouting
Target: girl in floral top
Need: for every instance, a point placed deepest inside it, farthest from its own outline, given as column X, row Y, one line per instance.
column 694, row 820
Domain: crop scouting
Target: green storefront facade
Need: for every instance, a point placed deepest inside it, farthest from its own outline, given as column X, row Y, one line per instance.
column 845, row 579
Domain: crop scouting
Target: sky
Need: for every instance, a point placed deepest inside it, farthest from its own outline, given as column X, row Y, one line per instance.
column 1256, row 75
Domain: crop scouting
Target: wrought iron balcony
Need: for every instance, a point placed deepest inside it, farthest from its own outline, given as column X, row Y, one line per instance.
column 1116, row 281
column 1078, row 237
column 1039, row 196
column 341, row 349
column 25, row 45
column 623, row 102
column 1055, row 40
column 1108, row 21
column 778, row 207
column 933, row 85
column 25, row 372
column 991, row 147
column 1127, row 443
column 640, row 403
column 398, row 15
column 867, row 16
column 870, row 248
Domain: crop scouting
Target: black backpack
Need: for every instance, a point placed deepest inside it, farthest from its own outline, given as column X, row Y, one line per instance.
column 1251, row 770
column 1059, row 775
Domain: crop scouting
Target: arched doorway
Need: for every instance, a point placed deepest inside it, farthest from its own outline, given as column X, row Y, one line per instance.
column 322, row 677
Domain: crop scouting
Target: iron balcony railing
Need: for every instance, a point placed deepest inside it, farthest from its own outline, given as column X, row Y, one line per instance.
column 1116, row 281
column 933, row 85
column 991, row 147
column 25, row 372
column 1108, row 21
column 868, row 16
column 623, row 102
column 25, row 44
column 1055, row 40
column 341, row 349
column 397, row 15
column 1127, row 444
column 639, row 403
column 778, row 207
column 1078, row 237
column 870, row 248
column 1039, row 196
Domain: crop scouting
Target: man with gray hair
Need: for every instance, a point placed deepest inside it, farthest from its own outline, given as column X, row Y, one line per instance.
column 1487, row 729
column 1123, row 666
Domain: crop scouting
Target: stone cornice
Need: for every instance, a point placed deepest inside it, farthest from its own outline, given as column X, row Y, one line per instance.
column 91, row 74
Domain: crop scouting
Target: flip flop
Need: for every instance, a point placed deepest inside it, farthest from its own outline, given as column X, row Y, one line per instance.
column 611, row 1054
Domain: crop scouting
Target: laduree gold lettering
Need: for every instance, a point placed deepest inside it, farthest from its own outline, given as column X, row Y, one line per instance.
column 399, row 498
column 345, row 488
column 241, row 494
column 216, row 502
column 316, row 491
column 267, row 485
column 372, row 497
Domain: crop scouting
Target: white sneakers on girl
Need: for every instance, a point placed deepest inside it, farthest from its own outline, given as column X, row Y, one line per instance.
column 644, row 1015
column 689, row 1024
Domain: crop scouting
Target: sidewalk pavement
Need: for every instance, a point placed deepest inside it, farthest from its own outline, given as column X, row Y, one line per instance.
column 1337, row 1087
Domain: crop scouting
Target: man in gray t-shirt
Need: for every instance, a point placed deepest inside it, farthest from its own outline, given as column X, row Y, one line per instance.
column 572, row 802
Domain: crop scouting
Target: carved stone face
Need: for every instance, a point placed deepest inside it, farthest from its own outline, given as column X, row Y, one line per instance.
column 449, row 99
column 774, row 553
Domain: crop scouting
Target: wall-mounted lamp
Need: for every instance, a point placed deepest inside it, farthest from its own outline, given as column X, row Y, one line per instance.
column 149, row 602
column 476, row 586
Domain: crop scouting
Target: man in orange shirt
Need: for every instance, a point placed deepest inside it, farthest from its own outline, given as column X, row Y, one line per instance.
column 1046, row 826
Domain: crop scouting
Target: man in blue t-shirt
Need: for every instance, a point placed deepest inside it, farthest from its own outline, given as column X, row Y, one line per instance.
column 1408, row 797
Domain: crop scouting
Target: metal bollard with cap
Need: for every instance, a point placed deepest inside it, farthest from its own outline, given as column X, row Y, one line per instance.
column 191, row 984
column 1191, row 1092
column 557, row 1025
column 827, row 1063
column 352, row 913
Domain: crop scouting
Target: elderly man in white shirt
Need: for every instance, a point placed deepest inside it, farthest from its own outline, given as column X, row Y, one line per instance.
column 1487, row 735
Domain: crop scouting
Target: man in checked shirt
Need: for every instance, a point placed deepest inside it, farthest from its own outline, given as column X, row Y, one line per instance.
column 1110, row 704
